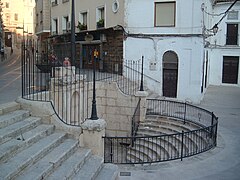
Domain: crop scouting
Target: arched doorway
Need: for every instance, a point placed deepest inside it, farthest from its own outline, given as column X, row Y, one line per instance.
column 170, row 74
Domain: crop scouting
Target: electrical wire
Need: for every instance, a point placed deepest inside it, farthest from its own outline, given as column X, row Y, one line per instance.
column 226, row 12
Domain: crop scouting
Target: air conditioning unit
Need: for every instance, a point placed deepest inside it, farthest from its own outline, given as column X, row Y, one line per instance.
column 103, row 37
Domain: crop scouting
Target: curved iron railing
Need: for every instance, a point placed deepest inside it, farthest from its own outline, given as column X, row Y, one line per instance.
column 45, row 78
column 165, row 147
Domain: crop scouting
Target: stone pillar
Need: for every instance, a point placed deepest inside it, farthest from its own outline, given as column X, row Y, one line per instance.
column 93, row 131
column 143, row 104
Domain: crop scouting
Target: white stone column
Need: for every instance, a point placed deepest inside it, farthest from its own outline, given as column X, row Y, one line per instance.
column 93, row 131
column 143, row 103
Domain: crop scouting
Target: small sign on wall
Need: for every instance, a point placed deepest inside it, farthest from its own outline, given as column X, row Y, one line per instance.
column 152, row 65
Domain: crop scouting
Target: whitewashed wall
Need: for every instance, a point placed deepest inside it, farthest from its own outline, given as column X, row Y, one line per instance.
column 218, row 49
column 139, row 18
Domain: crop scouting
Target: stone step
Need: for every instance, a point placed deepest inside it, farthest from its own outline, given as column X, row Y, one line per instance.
column 24, row 140
column 25, row 158
column 174, row 140
column 179, row 122
column 164, row 142
column 137, row 157
column 145, row 133
column 9, row 107
column 52, row 160
column 188, row 141
column 152, row 146
column 177, row 126
column 71, row 166
column 13, row 117
column 108, row 172
column 148, row 152
column 18, row 128
column 90, row 169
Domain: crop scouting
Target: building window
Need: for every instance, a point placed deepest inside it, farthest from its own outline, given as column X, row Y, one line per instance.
column 165, row 14
column 65, row 24
column 37, row 19
column 54, row 2
column 16, row 17
column 230, row 69
column 7, row 5
column 100, row 17
column 41, row 17
column 232, row 34
column 83, row 21
column 55, row 26
column 232, row 15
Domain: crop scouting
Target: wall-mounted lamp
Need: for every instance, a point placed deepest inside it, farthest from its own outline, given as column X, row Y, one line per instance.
column 215, row 29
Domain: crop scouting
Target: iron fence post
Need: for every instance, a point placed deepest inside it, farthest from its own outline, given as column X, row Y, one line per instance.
column 215, row 135
column 111, row 151
column 211, row 133
column 141, row 86
column 22, row 68
column 185, row 111
column 182, row 146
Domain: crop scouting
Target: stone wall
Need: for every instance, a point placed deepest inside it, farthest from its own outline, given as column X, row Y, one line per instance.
column 112, row 51
column 115, row 107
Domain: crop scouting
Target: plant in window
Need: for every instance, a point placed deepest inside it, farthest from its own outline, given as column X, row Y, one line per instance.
column 100, row 23
column 81, row 26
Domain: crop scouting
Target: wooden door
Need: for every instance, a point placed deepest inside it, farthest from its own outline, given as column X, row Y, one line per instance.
column 230, row 69
column 170, row 74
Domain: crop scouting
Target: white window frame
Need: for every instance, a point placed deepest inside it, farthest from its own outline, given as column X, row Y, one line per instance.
column 64, row 23
column 81, row 18
column 55, row 27
column 98, row 13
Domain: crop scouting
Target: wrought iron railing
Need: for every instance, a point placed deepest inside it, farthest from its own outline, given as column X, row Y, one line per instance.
column 45, row 78
column 136, row 119
column 165, row 147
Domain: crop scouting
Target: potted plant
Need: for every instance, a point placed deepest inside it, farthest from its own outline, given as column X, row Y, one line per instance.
column 100, row 23
column 81, row 26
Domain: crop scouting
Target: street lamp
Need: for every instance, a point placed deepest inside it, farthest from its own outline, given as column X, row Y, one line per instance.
column 215, row 29
column 94, row 108
column 73, row 39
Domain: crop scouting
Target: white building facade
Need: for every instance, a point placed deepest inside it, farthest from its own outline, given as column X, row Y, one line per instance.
column 169, row 36
column 223, row 49
column 182, row 56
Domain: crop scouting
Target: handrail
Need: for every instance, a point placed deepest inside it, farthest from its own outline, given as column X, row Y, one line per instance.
column 136, row 119
column 165, row 147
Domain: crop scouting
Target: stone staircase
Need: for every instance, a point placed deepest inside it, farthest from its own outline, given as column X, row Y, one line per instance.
column 166, row 147
column 30, row 149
